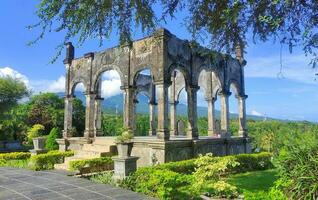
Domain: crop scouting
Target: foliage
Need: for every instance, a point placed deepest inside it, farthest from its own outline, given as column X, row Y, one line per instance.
column 92, row 165
column 46, row 161
column 112, row 125
column 11, row 90
column 182, row 167
column 225, row 23
column 15, row 156
column 163, row 184
column 221, row 189
column 37, row 130
column 46, row 109
column 298, row 170
column 78, row 117
column 211, row 169
column 51, row 143
column 252, row 162
column 104, row 177
column 126, row 136
column 23, row 163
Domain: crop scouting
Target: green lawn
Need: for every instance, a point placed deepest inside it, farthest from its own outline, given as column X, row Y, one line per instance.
column 254, row 182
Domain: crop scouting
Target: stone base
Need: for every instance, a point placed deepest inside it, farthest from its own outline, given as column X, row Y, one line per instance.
column 63, row 144
column 37, row 151
column 124, row 166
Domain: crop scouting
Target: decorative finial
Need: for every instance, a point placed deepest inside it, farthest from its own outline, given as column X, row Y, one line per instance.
column 69, row 53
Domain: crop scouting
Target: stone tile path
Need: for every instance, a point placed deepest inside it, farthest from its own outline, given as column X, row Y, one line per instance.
column 21, row 184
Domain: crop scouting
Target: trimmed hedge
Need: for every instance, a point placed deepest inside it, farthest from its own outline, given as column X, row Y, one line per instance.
column 47, row 160
column 92, row 165
column 183, row 167
column 253, row 162
column 15, row 156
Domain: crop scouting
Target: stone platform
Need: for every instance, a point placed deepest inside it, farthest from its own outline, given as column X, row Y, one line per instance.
column 151, row 150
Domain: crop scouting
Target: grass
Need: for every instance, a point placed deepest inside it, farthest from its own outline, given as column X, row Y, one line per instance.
column 254, row 182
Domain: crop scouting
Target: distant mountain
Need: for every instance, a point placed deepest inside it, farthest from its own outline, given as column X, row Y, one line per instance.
column 111, row 104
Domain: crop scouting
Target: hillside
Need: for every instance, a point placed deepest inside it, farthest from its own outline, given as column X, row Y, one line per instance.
column 110, row 105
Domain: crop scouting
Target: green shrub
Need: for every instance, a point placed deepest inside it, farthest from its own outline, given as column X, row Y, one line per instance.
column 298, row 171
column 47, row 160
column 15, row 156
column 104, row 177
column 221, row 189
column 37, row 130
column 183, row 167
column 253, row 162
column 14, row 163
column 162, row 183
column 50, row 143
column 92, row 165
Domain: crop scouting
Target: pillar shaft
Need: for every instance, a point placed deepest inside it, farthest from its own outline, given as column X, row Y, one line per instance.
column 242, row 116
column 192, row 112
column 129, row 108
column 89, row 115
column 152, row 118
column 68, row 115
column 173, row 118
column 162, row 131
column 98, row 117
column 211, row 117
column 225, row 114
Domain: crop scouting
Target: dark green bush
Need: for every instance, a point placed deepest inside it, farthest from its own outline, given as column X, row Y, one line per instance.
column 183, row 167
column 50, row 143
column 253, row 162
column 47, row 160
column 92, row 165
column 162, row 183
column 15, row 156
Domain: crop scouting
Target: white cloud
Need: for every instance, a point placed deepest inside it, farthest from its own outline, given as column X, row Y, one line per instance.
column 57, row 85
column 111, row 88
column 254, row 112
column 7, row 71
column 295, row 67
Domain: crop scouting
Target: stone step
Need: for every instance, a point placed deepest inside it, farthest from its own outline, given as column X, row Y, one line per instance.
column 107, row 141
column 95, row 147
column 91, row 154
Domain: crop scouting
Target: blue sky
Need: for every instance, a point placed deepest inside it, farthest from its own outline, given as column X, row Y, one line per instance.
column 291, row 96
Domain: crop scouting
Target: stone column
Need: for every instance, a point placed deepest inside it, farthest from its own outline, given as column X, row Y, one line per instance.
column 152, row 118
column 225, row 114
column 98, row 116
column 89, row 115
column 162, row 131
column 173, row 117
column 242, row 115
column 211, row 116
column 68, row 115
column 129, row 105
column 192, row 112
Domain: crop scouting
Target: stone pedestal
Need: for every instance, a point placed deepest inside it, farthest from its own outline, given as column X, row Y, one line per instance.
column 39, row 144
column 63, row 144
column 124, row 166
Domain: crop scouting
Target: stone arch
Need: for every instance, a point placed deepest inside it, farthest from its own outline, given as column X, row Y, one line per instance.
column 73, row 85
column 104, row 68
column 235, row 86
column 182, row 69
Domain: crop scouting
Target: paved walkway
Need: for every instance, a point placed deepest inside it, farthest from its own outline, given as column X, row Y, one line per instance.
column 21, row 184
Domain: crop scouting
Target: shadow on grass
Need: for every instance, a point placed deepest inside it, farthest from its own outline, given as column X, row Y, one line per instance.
column 254, row 181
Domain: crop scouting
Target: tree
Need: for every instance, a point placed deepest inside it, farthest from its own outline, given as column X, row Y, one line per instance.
column 11, row 90
column 46, row 109
column 226, row 22
column 78, row 120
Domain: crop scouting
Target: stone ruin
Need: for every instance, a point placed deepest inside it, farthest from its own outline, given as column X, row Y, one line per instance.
column 174, row 64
